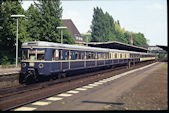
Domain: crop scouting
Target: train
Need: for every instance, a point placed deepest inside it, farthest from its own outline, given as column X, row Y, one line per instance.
column 42, row 59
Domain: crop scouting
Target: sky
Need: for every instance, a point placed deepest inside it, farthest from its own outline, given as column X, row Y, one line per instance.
column 145, row 16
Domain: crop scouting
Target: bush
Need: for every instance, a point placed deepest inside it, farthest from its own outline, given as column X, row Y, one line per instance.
column 4, row 61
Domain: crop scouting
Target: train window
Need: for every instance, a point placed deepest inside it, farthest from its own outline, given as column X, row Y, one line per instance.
column 67, row 55
column 89, row 55
column 92, row 55
column 98, row 55
column 85, row 55
column 115, row 55
column 32, row 54
column 77, row 55
column 102, row 55
column 57, row 55
column 120, row 55
column 106, row 55
column 40, row 54
column 70, row 55
column 112, row 55
column 24, row 54
column 80, row 55
column 60, row 54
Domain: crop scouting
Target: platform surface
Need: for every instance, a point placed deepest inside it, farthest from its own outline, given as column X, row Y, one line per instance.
column 6, row 71
column 94, row 96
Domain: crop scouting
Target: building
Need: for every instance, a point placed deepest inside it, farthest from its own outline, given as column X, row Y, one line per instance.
column 73, row 30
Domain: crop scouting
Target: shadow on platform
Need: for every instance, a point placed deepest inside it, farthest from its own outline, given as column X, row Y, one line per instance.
column 99, row 102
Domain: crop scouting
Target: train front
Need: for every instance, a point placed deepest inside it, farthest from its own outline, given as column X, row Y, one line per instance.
column 34, row 64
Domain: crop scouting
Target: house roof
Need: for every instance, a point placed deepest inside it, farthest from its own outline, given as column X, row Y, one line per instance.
column 73, row 30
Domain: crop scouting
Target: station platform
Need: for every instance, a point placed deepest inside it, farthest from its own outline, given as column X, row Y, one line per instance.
column 8, row 71
column 98, row 95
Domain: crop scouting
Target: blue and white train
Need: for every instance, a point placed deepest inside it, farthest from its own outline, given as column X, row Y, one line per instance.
column 46, row 59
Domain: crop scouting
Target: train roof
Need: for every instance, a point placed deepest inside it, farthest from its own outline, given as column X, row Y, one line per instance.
column 52, row 44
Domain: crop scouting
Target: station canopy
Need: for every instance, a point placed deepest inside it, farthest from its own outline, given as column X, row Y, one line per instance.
column 117, row 45
column 163, row 47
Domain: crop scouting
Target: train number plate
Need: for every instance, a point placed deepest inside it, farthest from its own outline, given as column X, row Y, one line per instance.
column 31, row 64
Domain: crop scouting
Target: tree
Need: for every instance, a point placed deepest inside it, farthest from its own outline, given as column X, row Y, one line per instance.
column 44, row 28
column 120, row 36
column 97, row 25
column 103, row 29
column 8, row 28
column 33, row 23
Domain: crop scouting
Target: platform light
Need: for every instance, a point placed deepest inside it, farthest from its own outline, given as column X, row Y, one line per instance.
column 62, row 27
column 17, row 16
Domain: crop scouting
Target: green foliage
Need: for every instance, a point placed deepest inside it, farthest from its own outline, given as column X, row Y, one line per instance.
column 40, row 24
column 6, row 57
column 8, row 24
column 67, row 38
column 33, row 23
column 102, row 26
column 49, row 18
column 43, row 18
column 104, row 29
column 8, row 30
column 89, row 37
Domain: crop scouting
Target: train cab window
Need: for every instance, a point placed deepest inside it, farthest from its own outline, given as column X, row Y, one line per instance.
column 24, row 54
column 32, row 54
column 40, row 54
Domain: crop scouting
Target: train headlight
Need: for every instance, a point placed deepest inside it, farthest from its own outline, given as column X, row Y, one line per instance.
column 40, row 65
column 23, row 65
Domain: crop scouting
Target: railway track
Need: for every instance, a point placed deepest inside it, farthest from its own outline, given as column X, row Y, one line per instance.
column 14, row 97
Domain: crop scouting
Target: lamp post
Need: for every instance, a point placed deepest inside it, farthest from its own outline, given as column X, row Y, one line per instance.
column 17, row 16
column 61, row 28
